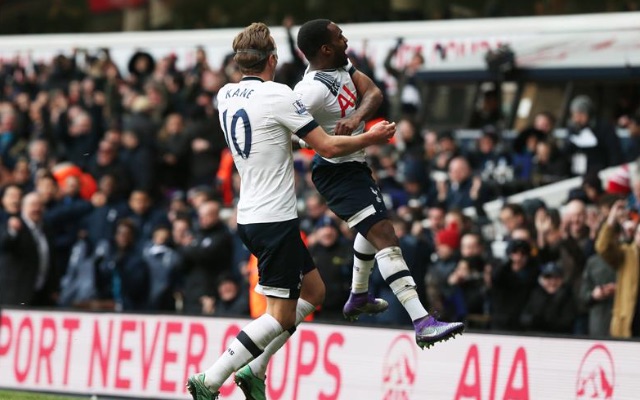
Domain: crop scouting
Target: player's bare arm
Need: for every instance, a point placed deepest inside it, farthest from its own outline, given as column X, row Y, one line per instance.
column 371, row 98
column 337, row 146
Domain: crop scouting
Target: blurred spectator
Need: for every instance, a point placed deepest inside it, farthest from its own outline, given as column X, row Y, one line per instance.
column 623, row 257
column 446, row 150
column 141, row 65
column 106, row 162
column 122, row 274
column 596, row 295
column 487, row 156
column 315, row 209
column 78, row 285
column 575, row 220
column 444, row 261
column 76, row 131
column 488, row 112
column 39, row 157
column 469, row 296
column 553, row 247
column 334, row 258
column 172, row 153
column 164, row 262
column 461, row 189
column 21, row 175
column 139, row 162
column 65, row 216
column 11, row 200
column 178, row 206
column 545, row 122
column 100, row 223
column 230, row 299
column 511, row 285
column 28, row 275
column 512, row 216
column 206, row 141
column 548, row 165
column 139, row 117
column 181, row 230
column 10, row 143
column 207, row 254
column 290, row 73
column 144, row 214
column 593, row 143
column 408, row 98
column 408, row 140
column 524, row 150
column 633, row 148
column 592, row 187
column 551, row 307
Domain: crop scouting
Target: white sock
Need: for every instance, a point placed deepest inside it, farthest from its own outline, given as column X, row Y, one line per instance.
column 363, row 259
column 395, row 272
column 259, row 364
column 249, row 343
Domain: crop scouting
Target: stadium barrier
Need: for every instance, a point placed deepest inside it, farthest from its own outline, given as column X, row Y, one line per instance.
column 151, row 356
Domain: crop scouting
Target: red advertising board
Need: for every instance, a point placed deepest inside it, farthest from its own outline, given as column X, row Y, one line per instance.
column 152, row 356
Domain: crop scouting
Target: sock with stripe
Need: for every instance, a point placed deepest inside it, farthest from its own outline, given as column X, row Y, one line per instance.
column 395, row 272
column 259, row 364
column 249, row 344
column 363, row 259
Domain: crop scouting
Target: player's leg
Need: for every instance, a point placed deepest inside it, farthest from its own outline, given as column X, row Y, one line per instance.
column 360, row 301
column 280, row 282
column 395, row 272
column 352, row 195
column 251, row 378
column 249, row 344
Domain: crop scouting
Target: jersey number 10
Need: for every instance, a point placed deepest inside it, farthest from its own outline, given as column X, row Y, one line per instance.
column 232, row 138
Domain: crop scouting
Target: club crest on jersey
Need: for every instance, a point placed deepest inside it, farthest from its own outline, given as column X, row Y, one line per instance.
column 300, row 108
column 376, row 194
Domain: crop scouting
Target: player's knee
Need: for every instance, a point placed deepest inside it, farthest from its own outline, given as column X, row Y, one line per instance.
column 315, row 293
column 321, row 292
column 313, row 288
column 288, row 322
column 382, row 235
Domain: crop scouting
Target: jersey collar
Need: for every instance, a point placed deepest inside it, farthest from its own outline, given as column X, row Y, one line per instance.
column 252, row 78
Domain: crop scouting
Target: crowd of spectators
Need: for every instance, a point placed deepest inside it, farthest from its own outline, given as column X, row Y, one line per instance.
column 117, row 193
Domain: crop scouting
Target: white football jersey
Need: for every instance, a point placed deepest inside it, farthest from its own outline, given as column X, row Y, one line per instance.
column 258, row 118
column 329, row 96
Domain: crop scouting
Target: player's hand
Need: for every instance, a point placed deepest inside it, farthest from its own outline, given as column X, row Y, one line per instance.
column 382, row 132
column 346, row 126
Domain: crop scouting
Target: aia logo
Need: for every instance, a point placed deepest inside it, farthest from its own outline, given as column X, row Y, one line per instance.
column 399, row 369
column 596, row 376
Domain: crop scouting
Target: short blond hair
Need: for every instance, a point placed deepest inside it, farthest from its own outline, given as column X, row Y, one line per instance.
column 252, row 48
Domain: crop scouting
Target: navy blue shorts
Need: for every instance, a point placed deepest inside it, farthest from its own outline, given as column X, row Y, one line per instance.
column 350, row 192
column 282, row 256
